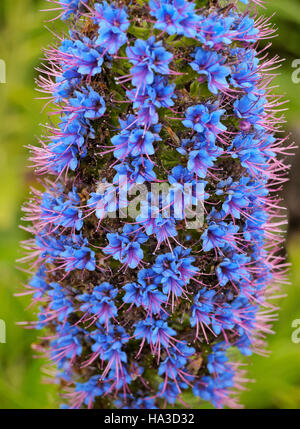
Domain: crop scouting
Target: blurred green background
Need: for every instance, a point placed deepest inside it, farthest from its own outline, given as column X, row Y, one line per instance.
column 22, row 35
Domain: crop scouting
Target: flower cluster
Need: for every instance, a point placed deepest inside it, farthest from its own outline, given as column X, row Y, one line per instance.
column 141, row 309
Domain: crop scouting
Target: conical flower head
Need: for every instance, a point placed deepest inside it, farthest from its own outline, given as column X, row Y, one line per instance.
column 155, row 242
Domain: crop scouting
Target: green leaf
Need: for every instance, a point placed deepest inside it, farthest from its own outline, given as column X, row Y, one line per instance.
column 195, row 89
column 140, row 32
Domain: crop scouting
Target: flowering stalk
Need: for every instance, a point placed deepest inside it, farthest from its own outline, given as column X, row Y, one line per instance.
column 141, row 309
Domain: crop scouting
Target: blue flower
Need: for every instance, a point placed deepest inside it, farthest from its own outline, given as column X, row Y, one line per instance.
column 244, row 29
column 230, row 271
column 61, row 211
column 60, row 302
column 216, row 390
column 202, row 311
column 104, row 200
column 172, row 366
column 67, row 345
column 88, row 391
column 89, row 103
column 113, row 24
column 180, row 175
column 204, row 120
column 199, row 162
column 217, row 359
column 141, row 143
column 218, row 234
column 80, row 57
column 223, row 319
column 237, row 197
column 70, row 7
column 132, row 255
column 174, row 16
column 247, row 147
column 131, row 403
column 108, row 347
column 148, row 57
column 116, row 245
column 116, row 80
column 254, row 227
column 70, row 254
column 250, row 107
column 38, row 283
column 171, row 390
column 50, row 246
column 65, row 146
column 126, row 247
column 144, row 403
column 157, row 222
column 215, row 30
column 147, row 99
column 137, row 142
column 100, row 303
column 137, row 170
column 64, row 87
column 178, row 263
column 172, row 285
column 211, row 65
column 145, row 292
column 202, row 152
column 156, row 332
column 78, row 256
column 244, row 344
column 244, row 71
